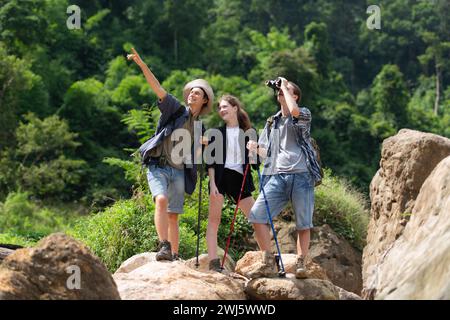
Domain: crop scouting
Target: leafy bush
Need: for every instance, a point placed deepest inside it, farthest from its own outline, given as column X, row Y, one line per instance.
column 9, row 238
column 127, row 228
column 118, row 232
column 343, row 208
column 22, row 217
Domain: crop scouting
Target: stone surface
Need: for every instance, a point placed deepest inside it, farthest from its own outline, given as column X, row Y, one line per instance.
column 44, row 272
column 136, row 261
column 165, row 280
column 407, row 159
column 314, row 271
column 251, row 266
column 340, row 261
column 291, row 289
column 334, row 254
column 417, row 266
column 345, row 295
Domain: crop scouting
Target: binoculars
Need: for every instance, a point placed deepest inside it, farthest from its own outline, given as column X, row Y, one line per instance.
column 274, row 84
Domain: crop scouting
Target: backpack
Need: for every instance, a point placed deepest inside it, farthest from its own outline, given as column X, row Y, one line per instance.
column 313, row 143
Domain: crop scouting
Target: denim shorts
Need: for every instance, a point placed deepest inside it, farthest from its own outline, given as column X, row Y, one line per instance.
column 167, row 181
column 282, row 188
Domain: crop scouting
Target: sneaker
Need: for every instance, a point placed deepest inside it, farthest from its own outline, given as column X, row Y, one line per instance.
column 214, row 265
column 165, row 251
column 300, row 272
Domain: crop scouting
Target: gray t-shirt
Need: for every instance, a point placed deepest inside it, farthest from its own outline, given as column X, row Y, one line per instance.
column 290, row 157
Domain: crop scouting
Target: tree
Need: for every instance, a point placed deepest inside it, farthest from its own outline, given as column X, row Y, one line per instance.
column 390, row 100
column 20, row 91
column 316, row 43
column 433, row 20
column 42, row 160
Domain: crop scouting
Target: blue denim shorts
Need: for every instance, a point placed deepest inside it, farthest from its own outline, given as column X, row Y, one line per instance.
column 282, row 188
column 167, row 181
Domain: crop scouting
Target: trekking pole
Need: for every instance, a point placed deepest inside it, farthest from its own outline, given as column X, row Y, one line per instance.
column 235, row 214
column 282, row 272
column 197, row 264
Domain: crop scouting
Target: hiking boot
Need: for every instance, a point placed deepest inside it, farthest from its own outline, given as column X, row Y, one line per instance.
column 267, row 268
column 165, row 251
column 214, row 265
column 300, row 272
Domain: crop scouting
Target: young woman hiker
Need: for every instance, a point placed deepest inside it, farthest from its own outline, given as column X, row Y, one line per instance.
column 226, row 175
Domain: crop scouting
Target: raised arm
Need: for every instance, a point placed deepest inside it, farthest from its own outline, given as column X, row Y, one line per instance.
column 149, row 76
column 294, row 110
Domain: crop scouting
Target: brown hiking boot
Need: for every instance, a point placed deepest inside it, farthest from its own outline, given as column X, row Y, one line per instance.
column 165, row 251
column 265, row 268
column 214, row 265
column 300, row 272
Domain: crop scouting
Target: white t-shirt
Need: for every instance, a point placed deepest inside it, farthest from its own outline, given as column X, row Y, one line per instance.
column 233, row 157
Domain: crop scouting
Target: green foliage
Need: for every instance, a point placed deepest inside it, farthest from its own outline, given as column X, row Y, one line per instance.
column 126, row 229
column 140, row 122
column 41, row 163
column 8, row 238
column 344, row 209
column 389, row 92
column 21, row 216
column 119, row 232
column 21, row 91
column 44, row 169
column 44, row 139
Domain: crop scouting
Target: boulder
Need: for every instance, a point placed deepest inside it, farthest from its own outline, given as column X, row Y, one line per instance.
column 340, row 261
column 142, row 278
column 290, row 288
column 345, row 295
column 4, row 252
column 335, row 255
column 251, row 266
column 50, row 271
column 407, row 159
column 417, row 265
column 136, row 261
column 286, row 233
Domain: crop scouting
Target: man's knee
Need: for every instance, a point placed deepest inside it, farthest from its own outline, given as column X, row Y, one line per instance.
column 161, row 200
column 173, row 217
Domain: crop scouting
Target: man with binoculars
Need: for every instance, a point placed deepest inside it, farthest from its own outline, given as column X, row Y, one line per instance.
column 290, row 170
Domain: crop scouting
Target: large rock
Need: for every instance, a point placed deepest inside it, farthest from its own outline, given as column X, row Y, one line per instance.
column 340, row 261
column 49, row 271
column 407, row 159
column 417, row 266
column 143, row 278
column 291, row 289
column 4, row 252
column 251, row 265
column 314, row 270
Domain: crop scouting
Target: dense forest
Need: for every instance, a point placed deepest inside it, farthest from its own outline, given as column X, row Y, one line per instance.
column 73, row 109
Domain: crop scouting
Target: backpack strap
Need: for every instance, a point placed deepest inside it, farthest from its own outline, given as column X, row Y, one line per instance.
column 269, row 126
